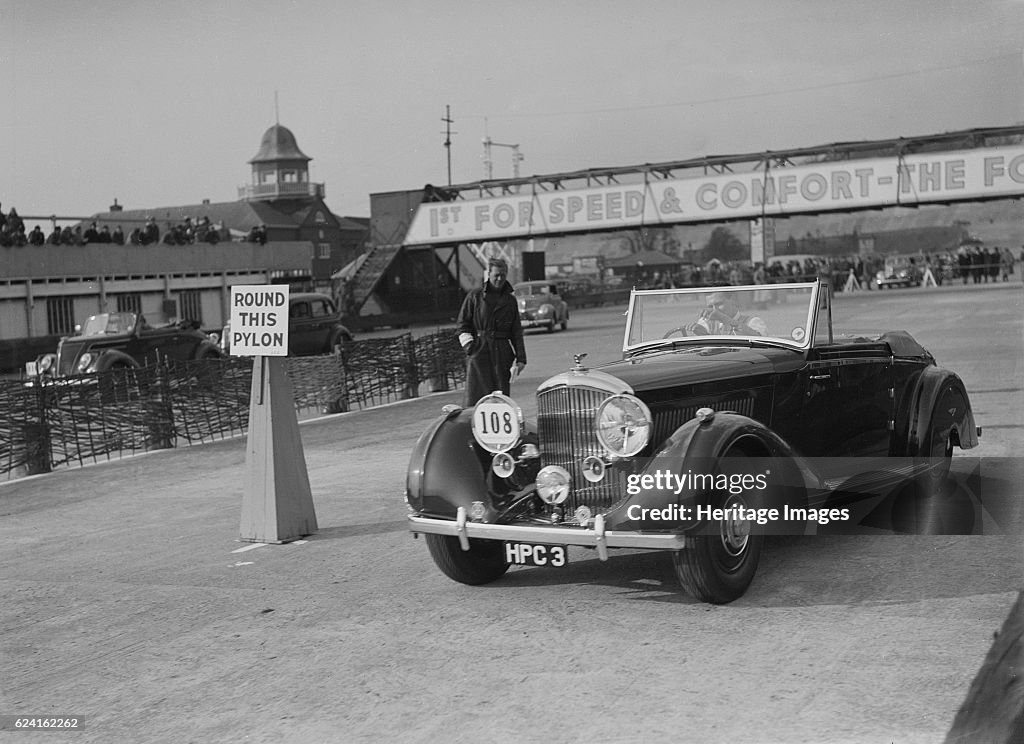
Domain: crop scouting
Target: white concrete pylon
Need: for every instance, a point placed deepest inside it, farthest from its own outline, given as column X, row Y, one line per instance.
column 277, row 506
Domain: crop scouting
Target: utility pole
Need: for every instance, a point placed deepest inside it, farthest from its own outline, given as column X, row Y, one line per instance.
column 448, row 138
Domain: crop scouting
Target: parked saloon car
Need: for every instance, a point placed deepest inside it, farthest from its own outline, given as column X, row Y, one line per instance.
column 899, row 271
column 706, row 410
column 540, row 305
column 124, row 340
column 314, row 326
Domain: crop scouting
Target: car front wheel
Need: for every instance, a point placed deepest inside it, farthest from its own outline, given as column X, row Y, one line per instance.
column 483, row 563
column 719, row 568
column 719, row 564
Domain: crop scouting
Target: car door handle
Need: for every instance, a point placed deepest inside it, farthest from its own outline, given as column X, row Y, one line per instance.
column 821, row 377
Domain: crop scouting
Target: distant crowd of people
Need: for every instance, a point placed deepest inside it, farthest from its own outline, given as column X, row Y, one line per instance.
column 970, row 263
column 200, row 230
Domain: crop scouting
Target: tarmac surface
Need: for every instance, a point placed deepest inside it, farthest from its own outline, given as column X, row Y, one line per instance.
column 131, row 604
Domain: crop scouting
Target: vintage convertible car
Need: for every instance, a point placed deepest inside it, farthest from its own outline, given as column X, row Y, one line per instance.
column 124, row 340
column 540, row 305
column 733, row 414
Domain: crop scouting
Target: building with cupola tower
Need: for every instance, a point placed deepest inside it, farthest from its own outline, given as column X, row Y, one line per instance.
column 279, row 230
column 280, row 200
column 280, row 170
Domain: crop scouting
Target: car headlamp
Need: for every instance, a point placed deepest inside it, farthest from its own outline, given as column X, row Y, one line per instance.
column 497, row 423
column 84, row 361
column 553, row 484
column 623, row 425
column 545, row 309
column 45, row 363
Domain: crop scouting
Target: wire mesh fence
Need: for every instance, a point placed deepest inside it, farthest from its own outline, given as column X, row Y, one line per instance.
column 108, row 415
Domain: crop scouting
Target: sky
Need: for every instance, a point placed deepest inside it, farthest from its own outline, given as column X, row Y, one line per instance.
column 163, row 103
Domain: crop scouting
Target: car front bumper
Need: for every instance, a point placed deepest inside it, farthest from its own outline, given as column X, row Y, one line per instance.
column 537, row 322
column 589, row 537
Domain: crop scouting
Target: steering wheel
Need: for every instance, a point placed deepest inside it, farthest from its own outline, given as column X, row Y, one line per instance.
column 681, row 330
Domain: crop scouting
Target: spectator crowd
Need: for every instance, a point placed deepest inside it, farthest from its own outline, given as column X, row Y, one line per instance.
column 970, row 263
column 200, row 230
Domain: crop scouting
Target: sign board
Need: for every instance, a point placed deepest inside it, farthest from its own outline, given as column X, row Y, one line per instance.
column 909, row 180
column 259, row 320
column 757, row 242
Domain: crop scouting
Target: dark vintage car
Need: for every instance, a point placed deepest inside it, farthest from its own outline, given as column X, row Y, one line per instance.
column 540, row 305
column 899, row 271
column 726, row 405
column 314, row 326
column 124, row 340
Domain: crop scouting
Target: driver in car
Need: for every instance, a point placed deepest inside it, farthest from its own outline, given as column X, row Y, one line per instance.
column 722, row 317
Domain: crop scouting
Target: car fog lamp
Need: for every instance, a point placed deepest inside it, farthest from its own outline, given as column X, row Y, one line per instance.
column 477, row 511
column 623, row 425
column 529, row 452
column 497, row 423
column 553, row 484
column 594, row 469
column 583, row 514
column 503, row 465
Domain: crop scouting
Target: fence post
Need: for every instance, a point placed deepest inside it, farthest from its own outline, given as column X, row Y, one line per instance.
column 337, row 386
column 36, row 433
column 157, row 405
column 438, row 381
column 411, row 383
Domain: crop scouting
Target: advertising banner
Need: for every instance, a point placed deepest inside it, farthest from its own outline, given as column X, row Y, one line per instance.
column 767, row 192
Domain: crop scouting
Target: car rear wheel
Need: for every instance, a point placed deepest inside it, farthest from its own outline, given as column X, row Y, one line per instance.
column 718, row 566
column 483, row 563
column 928, row 505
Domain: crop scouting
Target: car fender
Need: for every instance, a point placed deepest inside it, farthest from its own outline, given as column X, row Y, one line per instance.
column 448, row 469
column 208, row 350
column 695, row 448
column 938, row 406
column 111, row 358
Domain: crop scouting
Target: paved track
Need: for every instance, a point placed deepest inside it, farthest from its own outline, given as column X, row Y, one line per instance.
column 127, row 601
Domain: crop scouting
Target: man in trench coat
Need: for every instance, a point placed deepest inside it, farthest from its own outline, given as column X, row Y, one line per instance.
column 491, row 334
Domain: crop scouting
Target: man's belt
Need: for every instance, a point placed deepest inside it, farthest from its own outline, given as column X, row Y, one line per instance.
column 497, row 335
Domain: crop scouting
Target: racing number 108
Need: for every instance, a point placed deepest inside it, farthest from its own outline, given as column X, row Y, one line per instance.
column 498, row 424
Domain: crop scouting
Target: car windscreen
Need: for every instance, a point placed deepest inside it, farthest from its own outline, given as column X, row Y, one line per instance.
column 782, row 313
column 526, row 290
column 109, row 324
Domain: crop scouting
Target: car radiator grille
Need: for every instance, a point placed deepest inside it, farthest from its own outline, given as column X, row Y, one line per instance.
column 565, row 426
